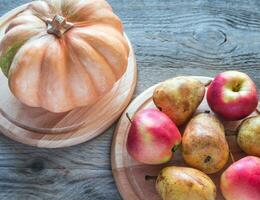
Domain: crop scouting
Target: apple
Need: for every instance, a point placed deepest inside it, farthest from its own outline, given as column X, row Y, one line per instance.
column 232, row 95
column 241, row 181
column 152, row 137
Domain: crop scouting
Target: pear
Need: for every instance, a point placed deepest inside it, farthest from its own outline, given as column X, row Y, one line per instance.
column 183, row 183
column 179, row 98
column 204, row 145
column 249, row 136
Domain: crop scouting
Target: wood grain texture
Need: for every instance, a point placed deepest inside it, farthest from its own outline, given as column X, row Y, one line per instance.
column 162, row 33
column 130, row 174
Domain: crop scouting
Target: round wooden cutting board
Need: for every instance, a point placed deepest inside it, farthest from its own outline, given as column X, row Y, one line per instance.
column 38, row 127
column 130, row 175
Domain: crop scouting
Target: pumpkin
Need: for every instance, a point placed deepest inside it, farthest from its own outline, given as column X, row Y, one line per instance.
column 62, row 54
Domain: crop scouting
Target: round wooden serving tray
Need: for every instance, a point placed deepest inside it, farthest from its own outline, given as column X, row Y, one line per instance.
column 130, row 175
column 38, row 127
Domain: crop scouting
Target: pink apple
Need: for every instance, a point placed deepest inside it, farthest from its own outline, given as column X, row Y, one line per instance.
column 241, row 181
column 152, row 137
column 232, row 95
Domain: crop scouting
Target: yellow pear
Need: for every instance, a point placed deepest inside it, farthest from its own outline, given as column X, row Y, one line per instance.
column 204, row 145
column 183, row 183
column 249, row 136
column 179, row 98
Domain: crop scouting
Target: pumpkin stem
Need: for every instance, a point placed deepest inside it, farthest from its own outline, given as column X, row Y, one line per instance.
column 58, row 25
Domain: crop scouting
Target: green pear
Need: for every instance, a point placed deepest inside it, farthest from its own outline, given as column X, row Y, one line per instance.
column 183, row 183
column 179, row 98
column 249, row 136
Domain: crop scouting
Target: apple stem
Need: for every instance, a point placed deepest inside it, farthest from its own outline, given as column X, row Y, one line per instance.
column 207, row 83
column 176, row 147
column 207, row 111
column 128, row 117
column 148, row 177
column 232, row 157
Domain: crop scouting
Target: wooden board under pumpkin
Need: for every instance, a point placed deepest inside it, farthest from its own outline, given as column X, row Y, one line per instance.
column 130, row 174
column 38, row 127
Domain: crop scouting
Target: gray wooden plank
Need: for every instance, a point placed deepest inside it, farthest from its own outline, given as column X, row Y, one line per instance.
column 93, row 155
column 65, row 184
column 177, row 37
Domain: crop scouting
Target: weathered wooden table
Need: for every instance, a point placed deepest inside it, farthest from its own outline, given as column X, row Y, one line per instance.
column 171, row 37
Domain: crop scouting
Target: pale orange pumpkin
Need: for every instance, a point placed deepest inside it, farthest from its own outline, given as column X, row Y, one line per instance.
column 62, row 54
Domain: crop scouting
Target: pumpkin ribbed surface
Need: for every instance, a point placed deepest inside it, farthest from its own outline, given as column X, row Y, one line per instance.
column 62, row 54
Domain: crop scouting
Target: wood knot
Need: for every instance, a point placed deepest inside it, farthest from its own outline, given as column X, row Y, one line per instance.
column 210, row 36
column 36, row 165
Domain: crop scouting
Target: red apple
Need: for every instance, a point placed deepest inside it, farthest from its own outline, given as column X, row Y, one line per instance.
column 232, row 95
column 241, row 181
column 152, row 137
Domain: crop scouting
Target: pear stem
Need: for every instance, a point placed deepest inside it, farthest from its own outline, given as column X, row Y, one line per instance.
column 257, row 111
column 128, row 117
column 148, row 177
column 207, row 83
column 232, row 157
